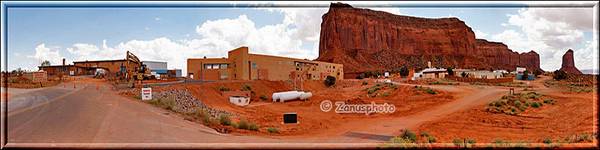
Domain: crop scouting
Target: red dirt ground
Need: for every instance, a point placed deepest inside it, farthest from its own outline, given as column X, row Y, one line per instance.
column 312, row 120
column 572, row 114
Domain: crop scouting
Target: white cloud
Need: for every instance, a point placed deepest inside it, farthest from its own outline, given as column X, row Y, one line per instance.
column 157, row 19
column 43, row 53
column 550, row 32
column 481, row 34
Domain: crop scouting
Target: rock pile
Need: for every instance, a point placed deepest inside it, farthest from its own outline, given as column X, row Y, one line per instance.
column 187, row 103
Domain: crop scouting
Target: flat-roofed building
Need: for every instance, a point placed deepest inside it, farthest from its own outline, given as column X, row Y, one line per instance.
column 241, row 65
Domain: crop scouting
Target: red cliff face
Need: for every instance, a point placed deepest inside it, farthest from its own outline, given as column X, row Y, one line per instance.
column 364, row 40
column 568, row 64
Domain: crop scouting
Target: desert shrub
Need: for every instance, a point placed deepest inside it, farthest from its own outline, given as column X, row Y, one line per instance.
column 518, row 104
column 424, row 134
column 272, row 130
column 430, row 91
column 409, row 135
column 398, row 139
column 242, row 124
column 223, row 88
column 457, row 142
column 525, row 74
column 253, row 127
column 263, row 97
column 200, row 113
column 584, row 138
column 499, row 142
column 536, row 105
column 431, row 139
column 547, row 140
column 365, row 83
column 224, row 120
column 246, row 87
column 385, row 94
column 549, row 101
column 329, row 81
column 560, row 75
column 450, row 71
column 165, row 103
column 403, row 71
column 471, row 141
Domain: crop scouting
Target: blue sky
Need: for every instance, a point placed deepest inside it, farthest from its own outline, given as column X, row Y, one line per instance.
column 173, row 34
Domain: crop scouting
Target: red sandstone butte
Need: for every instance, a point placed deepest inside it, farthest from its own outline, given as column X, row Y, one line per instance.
column 568, row 64
column 366, row 40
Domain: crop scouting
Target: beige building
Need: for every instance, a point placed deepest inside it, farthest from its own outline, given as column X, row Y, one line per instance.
column 241, row 65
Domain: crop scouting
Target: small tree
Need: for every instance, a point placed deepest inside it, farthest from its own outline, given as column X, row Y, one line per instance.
column 559, row 75
column 329, row 81
column 525, row 74
column 450, row 71
column 403, row 71
column 45, row 63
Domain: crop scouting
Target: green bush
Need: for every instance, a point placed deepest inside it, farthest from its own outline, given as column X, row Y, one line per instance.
column 536, row 105
column 457, row 142
column 471, row 141
column 409, row 135
column 224, row 120
column 398, row 139
column 329, row 81
column 223, row 88
column 385, row 94
column 431, row 139
column 424, row 134
column 547, row 141
column 263, row 97
column 242, row 124
column 165, row 103
column 272, row 130
column 403, row 71
column 549, row 101
column 430, row 91
column 246, row 87
column 253, row 127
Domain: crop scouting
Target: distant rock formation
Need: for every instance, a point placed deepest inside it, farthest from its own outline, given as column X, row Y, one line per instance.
column 568, row 64
column 366, row 40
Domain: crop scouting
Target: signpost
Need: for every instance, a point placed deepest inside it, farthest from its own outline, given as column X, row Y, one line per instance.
column 146, row 93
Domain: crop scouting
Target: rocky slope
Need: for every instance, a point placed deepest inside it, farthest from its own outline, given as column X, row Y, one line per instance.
column 568, row 64
column 364, row 40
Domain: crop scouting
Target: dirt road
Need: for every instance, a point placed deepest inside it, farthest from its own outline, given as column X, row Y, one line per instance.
column 468, row 97
column 98, row 115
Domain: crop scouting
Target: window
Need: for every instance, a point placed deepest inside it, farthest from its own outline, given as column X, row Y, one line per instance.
column 207, row 66
column 254, row 66
column 215, row 66
column 223, row 66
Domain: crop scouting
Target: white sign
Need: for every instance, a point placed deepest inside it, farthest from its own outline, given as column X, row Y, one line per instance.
column 386, row 74
column 146, row 93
